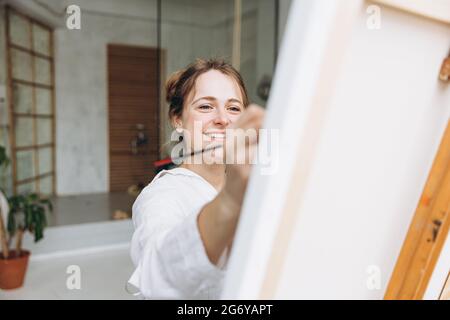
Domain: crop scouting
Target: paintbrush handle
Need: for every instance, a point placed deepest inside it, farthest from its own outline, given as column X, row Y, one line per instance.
column 197, row 152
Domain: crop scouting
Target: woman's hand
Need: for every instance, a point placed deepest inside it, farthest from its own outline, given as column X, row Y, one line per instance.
column 218, row 219
column 242, row 143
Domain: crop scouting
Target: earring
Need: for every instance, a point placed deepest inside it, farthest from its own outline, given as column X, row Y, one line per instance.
column 179, row 130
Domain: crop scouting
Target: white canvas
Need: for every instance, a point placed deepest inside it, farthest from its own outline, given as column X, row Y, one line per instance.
column 361, row 112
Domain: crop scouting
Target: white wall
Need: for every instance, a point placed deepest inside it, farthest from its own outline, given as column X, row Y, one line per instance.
column 386, row 120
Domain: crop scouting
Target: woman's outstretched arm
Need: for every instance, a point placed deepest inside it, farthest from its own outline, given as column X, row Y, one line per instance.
column 218, row 219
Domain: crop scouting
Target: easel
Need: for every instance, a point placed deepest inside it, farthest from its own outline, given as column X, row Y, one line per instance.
column 427, row 232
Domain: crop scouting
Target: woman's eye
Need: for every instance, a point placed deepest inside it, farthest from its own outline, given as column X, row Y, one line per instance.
column 235, row 109
column 205, row 107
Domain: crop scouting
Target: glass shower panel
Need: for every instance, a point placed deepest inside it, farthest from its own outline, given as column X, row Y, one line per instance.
column 199, row 29
column 258, row 49
column 209, row 29
column 206, row 29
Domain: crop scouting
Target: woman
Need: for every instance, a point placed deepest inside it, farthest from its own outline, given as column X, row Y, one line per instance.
column 186, row 217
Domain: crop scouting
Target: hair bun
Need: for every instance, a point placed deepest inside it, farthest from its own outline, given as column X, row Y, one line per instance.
column 172, row 85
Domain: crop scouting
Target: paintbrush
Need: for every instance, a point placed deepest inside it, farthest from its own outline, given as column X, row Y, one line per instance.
column 193, row 153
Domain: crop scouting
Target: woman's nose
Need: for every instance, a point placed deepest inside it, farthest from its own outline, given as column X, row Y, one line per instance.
column 221, row 118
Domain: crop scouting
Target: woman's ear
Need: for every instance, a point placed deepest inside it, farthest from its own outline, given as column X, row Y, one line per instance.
column 177, row 123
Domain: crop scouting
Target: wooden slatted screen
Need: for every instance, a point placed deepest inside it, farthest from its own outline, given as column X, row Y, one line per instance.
column 31, row 91
column 133, row 102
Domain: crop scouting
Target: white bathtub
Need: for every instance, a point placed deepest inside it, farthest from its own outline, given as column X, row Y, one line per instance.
column 100, row 251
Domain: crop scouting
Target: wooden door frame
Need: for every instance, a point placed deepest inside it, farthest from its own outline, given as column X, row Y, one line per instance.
column 163, row 116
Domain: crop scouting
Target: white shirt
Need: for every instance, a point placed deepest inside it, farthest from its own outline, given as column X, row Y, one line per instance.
column 166, row 248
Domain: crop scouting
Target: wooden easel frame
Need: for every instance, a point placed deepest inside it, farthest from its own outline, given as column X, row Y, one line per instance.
column 427, row 232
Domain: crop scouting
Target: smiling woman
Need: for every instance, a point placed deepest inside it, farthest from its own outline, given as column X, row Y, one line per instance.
column 186, row 217
column 217, row 100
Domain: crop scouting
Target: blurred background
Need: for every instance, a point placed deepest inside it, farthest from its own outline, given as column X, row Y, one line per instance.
column 87, row 118
column 83, row 119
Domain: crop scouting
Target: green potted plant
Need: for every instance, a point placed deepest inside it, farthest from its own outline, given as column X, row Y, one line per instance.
column 18, row 214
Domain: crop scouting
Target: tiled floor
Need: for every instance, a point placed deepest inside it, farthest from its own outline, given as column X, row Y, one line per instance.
column 103, row 276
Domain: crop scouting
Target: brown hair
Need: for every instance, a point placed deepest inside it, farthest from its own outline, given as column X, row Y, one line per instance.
column 183, row 81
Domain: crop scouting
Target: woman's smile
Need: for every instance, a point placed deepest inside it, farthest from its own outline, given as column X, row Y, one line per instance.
column 215, row 135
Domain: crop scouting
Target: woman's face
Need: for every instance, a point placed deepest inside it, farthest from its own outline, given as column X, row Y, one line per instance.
column 214, row 104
